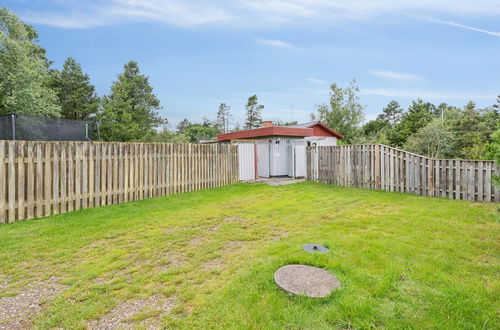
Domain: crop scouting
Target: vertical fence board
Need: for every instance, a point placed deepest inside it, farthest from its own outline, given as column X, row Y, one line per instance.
column 55, row 178
column 47, row 179
column 3, row 194
column 11, row 178
column 20, row 180
column 63, row 182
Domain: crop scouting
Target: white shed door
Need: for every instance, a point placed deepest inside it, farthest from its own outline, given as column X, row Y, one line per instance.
column 300, row 161
column 263, row 149
column 246, row 158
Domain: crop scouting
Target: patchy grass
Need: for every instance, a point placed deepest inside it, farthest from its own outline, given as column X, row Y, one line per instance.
column 206, row 260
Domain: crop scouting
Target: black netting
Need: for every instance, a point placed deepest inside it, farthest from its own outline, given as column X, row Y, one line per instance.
column 46, row 129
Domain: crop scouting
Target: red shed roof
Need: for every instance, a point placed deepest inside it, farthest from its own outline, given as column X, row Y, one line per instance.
column 307, row 129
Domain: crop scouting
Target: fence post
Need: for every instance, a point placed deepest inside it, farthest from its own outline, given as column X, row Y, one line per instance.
column 377, row 166
column 13, row 126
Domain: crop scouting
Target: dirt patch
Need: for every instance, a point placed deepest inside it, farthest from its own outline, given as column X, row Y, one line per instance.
column 135, row 313
column 213, row 264
column 218, row 263
column 231, row 246
column 172, row 262
column 169, row 229
column 232, row 219
column 17, row 311
column 277, row 237
column 214, row 228
column 196, row 241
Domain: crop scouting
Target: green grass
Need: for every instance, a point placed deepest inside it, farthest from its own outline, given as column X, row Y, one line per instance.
column 404, row 261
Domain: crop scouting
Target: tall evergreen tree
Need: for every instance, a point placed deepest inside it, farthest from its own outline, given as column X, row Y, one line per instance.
column 24, row 70
column 130, row 112
column 419, row 114
column 344, row 113
column 391, row 114
column 473, row 129
column 183, row 126
column 223, row 116
column 497, row 105
column 76, row 94
column 253, row 113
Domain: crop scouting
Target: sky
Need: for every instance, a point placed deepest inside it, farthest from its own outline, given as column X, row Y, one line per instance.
column 198, row 54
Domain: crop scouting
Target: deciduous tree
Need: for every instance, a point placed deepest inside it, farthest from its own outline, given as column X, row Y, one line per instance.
column 207, row 130
column 433, row 140
column 344, row 113
column 24, row 70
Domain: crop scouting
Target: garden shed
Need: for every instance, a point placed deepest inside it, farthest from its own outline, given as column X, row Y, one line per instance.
column 272, row 151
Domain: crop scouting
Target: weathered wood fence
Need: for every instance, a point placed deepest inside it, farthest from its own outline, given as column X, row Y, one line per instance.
column 44, row 178
column 385, row 168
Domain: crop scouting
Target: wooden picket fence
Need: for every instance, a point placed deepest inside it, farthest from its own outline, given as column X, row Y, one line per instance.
column 39, row 179
column 385, row 168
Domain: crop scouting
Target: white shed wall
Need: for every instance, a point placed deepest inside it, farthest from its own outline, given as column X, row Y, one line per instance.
column 322, row 141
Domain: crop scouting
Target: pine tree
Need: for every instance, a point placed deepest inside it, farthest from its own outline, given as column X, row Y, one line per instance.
column 419, row 114
column 223, row 116
column 183, row 126
column 391, row 114
column 24, row 70
column 76, row 94
column 253, row 113
column 130, row 112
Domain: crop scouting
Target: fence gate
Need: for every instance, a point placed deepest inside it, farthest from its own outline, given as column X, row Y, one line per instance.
column 246, row 157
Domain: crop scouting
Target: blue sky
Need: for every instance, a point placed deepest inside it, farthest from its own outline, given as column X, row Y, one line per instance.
column 201, row 53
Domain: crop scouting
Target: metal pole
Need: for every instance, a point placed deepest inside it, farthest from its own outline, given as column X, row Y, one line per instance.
column 98, row 132
column 13, row 126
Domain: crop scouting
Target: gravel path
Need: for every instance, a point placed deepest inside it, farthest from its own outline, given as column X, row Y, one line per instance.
column 18, row 311
column 120, row 317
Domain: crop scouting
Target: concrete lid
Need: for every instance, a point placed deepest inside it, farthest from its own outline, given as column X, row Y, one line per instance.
column 306, row 281
column 314, row 248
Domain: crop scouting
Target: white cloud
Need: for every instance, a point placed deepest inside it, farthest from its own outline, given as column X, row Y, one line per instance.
column 316, row 81
column 274, row 43
column 108, row 12
column 396, row 75
column 467, row 27
column 413, row 94
column 328, row 9
column 81, row 14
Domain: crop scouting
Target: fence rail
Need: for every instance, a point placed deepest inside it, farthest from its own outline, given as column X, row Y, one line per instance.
column 385, row 168
column 39, row 179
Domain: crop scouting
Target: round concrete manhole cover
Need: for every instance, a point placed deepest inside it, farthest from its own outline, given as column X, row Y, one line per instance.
column 315, row 248
column 306, row 281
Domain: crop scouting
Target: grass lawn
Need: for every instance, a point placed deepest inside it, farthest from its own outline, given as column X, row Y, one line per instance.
column 206, row 260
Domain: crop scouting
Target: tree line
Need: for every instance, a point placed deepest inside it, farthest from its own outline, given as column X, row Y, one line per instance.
column 439, row 131
column 130, row 112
